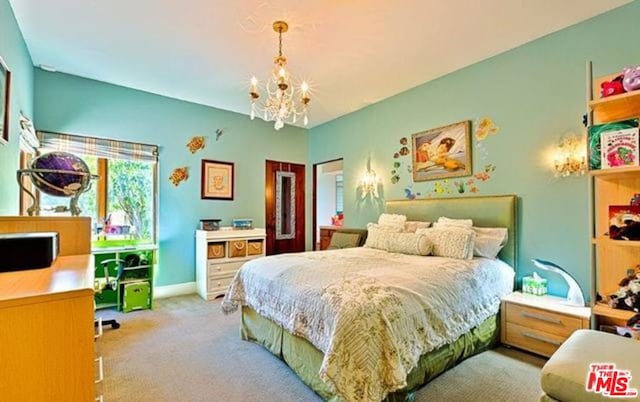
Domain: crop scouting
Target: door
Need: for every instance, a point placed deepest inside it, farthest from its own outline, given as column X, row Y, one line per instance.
column 284, row 207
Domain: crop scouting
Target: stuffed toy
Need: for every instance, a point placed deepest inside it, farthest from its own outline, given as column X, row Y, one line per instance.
column 631, row 80
column 628, row 296
column 613, row 87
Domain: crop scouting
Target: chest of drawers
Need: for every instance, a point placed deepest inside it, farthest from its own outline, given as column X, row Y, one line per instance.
column 539, row 324
column 220, row 254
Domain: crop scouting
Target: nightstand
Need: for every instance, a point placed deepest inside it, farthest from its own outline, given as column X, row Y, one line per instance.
column 539, row 324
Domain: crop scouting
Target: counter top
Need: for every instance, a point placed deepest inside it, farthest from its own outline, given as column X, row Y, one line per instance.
column 73, row 273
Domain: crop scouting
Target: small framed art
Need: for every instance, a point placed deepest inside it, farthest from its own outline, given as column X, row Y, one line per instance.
column 442, row 152
column 5, row 92
column 217, row 180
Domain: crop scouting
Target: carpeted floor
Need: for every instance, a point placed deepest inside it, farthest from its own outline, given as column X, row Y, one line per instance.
column 187, row 350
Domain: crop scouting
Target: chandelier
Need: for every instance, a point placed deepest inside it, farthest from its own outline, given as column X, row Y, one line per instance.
column 284, row 103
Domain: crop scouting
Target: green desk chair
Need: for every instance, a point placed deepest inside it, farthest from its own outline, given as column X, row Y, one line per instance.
column 111, row 283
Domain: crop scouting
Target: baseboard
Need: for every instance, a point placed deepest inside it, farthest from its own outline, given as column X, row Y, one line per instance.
column 187, row 288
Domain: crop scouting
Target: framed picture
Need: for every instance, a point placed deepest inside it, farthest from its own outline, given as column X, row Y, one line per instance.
column 442, row 152
column 5, row 91
column 217, row 180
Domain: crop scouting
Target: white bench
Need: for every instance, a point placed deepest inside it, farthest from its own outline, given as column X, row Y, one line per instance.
column 564, row 377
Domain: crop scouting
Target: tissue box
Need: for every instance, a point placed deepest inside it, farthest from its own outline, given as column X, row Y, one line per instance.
column 534, row 286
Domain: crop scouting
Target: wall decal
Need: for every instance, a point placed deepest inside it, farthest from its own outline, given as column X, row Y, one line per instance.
column 179, row 175
column 219, row 132
column 409, row 194
column 196, row 143
column 484, row 127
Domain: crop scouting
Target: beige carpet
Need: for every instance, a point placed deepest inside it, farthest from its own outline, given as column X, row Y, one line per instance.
column 187, row 350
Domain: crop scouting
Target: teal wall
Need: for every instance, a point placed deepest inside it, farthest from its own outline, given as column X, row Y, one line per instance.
column 535, row 94
column 70, row 104
column 15, row 54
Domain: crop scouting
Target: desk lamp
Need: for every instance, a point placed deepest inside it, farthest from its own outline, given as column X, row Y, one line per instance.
column 574, row 296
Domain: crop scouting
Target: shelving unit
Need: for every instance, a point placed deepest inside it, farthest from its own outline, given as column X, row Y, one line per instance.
column 610, row 259
column 137, row 278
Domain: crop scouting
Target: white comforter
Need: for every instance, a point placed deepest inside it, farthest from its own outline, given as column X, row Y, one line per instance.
column 372, row 313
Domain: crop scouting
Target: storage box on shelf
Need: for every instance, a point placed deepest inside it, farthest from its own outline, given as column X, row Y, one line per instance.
column 539, row 324
column 220, row 254
column 134, row 289
column 610, row 259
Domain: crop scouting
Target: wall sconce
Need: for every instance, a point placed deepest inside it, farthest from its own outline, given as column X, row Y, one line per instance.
column 369, row 184
column 571, row 157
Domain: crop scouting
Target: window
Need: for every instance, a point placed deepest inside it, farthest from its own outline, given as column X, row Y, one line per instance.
column 122, row 202
column 339, row 194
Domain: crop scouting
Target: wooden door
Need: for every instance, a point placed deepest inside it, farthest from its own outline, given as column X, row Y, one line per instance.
column 284, row 207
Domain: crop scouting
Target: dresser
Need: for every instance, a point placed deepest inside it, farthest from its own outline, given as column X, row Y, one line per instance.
column 220, row 254
column 47, row 347
column 539, row 324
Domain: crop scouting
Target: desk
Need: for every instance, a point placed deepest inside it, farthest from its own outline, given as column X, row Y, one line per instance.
column 47, row 332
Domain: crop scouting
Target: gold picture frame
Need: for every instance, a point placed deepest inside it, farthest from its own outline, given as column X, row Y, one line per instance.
column 217, row 180
column 442, row 153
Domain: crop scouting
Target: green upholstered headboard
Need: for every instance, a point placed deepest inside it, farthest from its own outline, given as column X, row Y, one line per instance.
column 486, row 211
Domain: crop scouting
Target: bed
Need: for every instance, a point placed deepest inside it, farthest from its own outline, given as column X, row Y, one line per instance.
column 363, row 324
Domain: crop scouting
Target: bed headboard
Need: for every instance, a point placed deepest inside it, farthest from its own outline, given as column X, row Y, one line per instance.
column 486, row 211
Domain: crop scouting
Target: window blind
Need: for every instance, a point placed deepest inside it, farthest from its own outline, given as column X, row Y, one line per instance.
column 99, row 147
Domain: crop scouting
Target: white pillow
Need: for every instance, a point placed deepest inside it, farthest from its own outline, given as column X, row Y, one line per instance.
column 489, row 241
column 443, row 221
column 392, row 220
column 412, row 226
column 408, row 243
column 377, row 235
column 451, row 241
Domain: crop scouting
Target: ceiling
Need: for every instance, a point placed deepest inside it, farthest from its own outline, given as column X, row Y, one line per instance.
column 354, row 52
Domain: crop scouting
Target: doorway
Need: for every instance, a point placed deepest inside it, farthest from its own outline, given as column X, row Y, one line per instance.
column 328, row 200
column 284, row 207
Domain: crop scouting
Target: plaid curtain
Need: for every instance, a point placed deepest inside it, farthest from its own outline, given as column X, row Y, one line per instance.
column 99, row 147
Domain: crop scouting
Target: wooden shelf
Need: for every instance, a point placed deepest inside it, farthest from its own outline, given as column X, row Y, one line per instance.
column 616, row 107
column 616, row 173
column 604, row 310
column 610, row 242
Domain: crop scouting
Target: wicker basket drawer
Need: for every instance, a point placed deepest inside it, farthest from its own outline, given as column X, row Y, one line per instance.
column 254, row 247
column 215, row 250
column 237, row 248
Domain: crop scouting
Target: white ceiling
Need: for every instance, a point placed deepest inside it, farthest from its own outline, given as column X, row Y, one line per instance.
column 354, row 52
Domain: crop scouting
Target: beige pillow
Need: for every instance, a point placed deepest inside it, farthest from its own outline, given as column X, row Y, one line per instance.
column 377, row 235
column 451, row 241
column 408, row 243
column 392, row 220
column 412, row 226
column 443, row 221
column 489, row 241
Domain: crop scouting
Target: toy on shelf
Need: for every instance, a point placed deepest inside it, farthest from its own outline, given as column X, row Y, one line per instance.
column 613, row 87
column 628, row 295
column 631, row 80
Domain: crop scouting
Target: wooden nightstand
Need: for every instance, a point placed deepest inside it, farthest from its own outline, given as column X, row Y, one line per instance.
column 539, row 324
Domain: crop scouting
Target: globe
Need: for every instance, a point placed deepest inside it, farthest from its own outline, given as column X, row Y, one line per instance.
column 59, row 174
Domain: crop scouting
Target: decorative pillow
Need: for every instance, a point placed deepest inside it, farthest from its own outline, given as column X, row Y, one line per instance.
column 392, row 220
column 451, row 241
column 377, row 235
column 408, row 243
column 344, row 240
column 443, row 221
column 489, row 241
column 412, row 226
